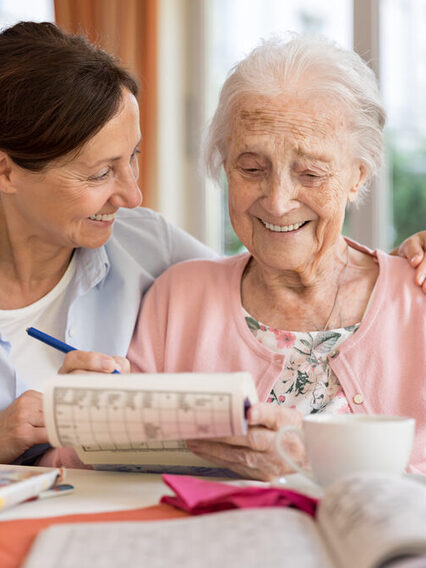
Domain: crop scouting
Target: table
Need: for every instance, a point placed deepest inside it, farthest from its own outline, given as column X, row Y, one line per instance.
column 101, row 491
column 95, row 491
column 99, row 496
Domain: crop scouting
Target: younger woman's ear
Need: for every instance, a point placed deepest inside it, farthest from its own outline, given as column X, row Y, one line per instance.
column 6, row 185
column 359, row 180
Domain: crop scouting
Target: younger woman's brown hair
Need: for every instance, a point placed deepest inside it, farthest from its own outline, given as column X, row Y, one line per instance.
column 57, row 90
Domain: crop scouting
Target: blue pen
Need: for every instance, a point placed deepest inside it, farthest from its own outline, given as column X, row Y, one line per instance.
column 56, row 343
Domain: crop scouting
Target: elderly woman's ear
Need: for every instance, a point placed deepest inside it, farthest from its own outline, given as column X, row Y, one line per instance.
column 361, row 177
column 5, row 169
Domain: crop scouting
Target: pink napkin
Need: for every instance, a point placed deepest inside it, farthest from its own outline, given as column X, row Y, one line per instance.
column 196, row 496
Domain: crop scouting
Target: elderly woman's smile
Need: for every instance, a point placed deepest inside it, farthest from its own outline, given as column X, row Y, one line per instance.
column 283, row 228
column 291, row 172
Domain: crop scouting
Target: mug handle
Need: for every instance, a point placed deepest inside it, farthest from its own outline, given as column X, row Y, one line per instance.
column 286, row 457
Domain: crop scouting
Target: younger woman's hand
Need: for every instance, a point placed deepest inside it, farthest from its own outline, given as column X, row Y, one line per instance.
column 414, row 249
column 93, row 362
column 22, row 426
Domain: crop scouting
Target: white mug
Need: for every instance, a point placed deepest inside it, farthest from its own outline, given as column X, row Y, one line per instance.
column 341, row 444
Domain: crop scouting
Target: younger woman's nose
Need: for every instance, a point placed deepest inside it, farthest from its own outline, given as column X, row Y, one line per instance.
column 127, row 193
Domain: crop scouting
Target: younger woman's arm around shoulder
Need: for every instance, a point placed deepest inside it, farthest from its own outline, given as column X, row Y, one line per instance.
column 413, row 249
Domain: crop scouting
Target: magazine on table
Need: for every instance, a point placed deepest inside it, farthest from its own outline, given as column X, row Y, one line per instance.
column 19, row 483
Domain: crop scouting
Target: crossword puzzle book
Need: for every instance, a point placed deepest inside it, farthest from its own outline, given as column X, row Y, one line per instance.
column 143, row 419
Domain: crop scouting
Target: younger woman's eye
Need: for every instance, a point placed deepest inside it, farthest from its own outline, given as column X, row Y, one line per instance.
column 101, row 176
column 135, row 153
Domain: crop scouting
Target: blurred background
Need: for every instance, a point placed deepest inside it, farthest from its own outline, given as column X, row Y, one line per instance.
column 181, row 50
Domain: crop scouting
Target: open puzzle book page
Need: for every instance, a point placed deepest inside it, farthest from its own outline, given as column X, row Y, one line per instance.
column 370, row 519
column 18, row 483
column 363, row 521
column 143, row 419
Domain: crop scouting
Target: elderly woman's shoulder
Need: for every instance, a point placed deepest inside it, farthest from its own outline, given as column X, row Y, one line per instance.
column 393, row 271
column 208, row 271
column 204, row 267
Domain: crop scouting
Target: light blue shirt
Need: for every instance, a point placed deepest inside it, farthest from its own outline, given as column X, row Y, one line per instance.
column 108, row 285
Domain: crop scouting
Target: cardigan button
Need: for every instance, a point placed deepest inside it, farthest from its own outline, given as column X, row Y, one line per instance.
column 333, row 353
column 358, row 398
column 71, row 331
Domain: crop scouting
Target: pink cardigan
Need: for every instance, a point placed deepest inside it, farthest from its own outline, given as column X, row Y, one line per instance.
column 191, row 320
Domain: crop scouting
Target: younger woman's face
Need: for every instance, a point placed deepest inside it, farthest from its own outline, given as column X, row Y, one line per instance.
column 74, row 201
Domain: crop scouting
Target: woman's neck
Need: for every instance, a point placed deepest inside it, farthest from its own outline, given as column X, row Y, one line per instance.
column 29, row 268
column 330, row 293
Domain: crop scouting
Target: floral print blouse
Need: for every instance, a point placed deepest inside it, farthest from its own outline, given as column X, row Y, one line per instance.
column 307, row 382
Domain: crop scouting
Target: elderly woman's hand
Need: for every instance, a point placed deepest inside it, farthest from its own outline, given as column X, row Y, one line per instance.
column 414, row 249
column 93, row 362
column 254, row 455
column 22, row 426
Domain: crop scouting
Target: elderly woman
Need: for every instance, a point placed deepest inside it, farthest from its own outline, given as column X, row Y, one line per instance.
column 322, row 323
column 69, row 138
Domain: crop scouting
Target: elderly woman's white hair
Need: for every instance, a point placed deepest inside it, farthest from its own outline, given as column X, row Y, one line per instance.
column 321, row 68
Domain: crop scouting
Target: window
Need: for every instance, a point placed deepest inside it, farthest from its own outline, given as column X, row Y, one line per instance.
column 403, row 80
column 12, row 11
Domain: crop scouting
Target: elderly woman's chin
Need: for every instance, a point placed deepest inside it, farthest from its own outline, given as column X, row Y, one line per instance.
column 285, row 251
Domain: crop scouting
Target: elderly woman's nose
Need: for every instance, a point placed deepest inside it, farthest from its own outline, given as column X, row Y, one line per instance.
column 280, row 196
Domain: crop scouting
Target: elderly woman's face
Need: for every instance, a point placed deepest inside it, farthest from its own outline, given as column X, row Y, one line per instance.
column 290, row 171
column 73, row 203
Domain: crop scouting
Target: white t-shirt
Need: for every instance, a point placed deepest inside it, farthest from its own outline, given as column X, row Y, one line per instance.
column 31, row 358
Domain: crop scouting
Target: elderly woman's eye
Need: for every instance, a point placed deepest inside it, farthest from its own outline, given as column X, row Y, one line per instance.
column 251, row 171
column 312, row 177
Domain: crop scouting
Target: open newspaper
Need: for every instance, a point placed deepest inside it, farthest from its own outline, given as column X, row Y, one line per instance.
column 140, row 421
column 362, row 522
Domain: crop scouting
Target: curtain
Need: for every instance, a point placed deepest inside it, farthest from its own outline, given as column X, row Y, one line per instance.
column 127, row 29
